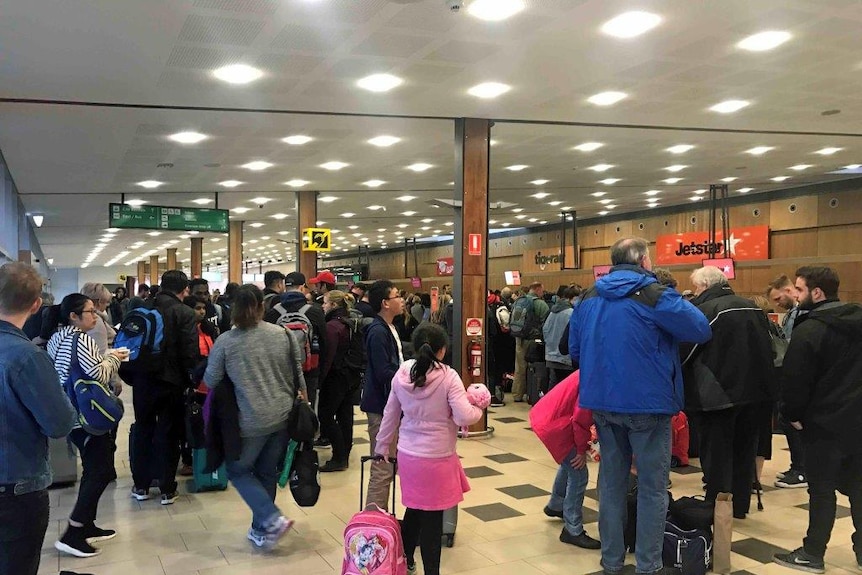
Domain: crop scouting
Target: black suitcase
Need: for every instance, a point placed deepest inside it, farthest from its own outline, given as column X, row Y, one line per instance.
column 450, row 523
column 537, row 381
column 153, row 460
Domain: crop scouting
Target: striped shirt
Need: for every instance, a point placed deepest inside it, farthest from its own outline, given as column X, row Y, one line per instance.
column 93, row 363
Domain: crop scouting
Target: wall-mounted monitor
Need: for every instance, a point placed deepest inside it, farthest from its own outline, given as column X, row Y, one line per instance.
column 724, row 264
column 513, row 278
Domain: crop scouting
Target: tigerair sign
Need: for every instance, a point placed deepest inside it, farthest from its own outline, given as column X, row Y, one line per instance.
column 546, row 259
column 749, row 243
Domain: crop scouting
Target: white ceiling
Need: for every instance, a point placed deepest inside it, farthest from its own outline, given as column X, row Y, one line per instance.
column 70, row 161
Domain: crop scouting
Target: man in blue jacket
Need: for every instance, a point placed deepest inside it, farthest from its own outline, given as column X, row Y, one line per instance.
column 384, row 357
column 625, row 333
column 33, row 407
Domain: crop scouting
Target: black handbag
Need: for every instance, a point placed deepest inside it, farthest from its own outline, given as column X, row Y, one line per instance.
column 692, row 513
column 305, row 475
column 195, row 433
column 302, row 423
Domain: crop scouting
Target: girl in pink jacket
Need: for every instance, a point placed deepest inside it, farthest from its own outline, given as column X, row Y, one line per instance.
column 431, row 397
column 564, row 428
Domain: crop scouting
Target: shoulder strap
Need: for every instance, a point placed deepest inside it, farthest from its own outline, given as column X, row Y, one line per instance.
column 304, row 309
column 279, row 308
column 649, row 294
column 292, row 361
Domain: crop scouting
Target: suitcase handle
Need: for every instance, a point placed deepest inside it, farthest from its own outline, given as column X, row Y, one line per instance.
column 363, row 460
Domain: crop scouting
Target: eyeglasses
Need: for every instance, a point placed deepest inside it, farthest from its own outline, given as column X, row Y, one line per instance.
column 394, row 297
column 92, row 311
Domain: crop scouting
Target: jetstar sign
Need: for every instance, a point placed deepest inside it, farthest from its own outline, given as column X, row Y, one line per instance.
column 750, row 243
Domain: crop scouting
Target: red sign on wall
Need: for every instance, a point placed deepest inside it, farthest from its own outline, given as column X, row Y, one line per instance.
column 475, row 245
column 749, row 243
column 445, row 266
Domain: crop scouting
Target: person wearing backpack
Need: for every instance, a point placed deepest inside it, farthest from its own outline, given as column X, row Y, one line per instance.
column 159, row 395
column 559, row 364
column 72, row 347
column 525, row 324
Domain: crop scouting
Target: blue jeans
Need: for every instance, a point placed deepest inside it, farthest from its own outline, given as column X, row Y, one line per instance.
column 255, row 475
column 568, row 493
column 647, row 437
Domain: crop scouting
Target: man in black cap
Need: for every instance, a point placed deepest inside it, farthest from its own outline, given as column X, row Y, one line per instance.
column 273, row 287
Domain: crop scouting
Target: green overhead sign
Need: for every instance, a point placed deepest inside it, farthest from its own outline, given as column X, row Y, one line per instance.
column 165, row 218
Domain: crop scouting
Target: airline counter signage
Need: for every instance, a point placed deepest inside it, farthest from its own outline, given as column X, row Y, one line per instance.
column 749, row 243
column 445, row 266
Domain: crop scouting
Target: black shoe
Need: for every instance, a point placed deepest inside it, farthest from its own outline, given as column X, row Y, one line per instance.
column 800, row 560
column 793, row 481
column 859, row 560
column 93, row 533
column 75, row 543
column 322, row 443
column 169, row 498
column 583, row 540
column 498, row 403
column 552, row 512
column 333, row 465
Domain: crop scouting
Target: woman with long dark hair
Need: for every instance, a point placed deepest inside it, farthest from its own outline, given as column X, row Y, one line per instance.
column 434, row 404
column 70, row 345
column 336, row 402
column 264, row 362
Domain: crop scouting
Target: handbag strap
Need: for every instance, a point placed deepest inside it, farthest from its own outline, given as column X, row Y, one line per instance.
column 292, row 364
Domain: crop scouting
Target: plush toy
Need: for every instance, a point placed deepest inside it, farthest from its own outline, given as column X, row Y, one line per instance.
column 478, row 395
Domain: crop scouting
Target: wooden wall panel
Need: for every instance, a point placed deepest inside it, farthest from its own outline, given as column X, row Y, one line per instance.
column 591, row 236
column 755, row 214
column 616, row 230
column 789, row 244
column 793, row 213
column 847, row 210
column 839, row 240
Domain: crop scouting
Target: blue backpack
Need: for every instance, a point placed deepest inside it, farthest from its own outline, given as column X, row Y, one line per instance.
column 99, row 410
column 143, row 332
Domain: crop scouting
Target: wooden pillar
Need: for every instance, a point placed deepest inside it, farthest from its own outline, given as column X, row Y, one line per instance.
column 197, row 256
column 142, row 272
column 472, row 154
column 172, row 259
column 25, row 257
column 306, row 211
column 234, row 252
column 154, row 270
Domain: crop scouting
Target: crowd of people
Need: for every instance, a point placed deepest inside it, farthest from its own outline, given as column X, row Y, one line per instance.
column 625, row 355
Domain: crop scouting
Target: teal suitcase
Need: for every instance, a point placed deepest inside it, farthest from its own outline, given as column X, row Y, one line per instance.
column 216, row 481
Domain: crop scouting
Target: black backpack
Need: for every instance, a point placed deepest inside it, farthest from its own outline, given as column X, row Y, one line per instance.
column 356, row 358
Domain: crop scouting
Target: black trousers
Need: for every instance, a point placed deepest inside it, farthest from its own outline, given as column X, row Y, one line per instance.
column 97, row 471
column 837, row 468
column 336, row 419
column 23, row 522
column 728, row 446
column 794, row 443
column 556, row 375
column 425, row 529
column 159, row 413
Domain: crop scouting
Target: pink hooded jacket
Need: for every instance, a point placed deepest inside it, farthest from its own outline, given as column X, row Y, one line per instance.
column 559, row 422
column 432, row 413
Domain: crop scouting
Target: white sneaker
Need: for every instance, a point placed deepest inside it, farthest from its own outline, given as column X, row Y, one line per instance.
column 277, row 530
column 258, row 538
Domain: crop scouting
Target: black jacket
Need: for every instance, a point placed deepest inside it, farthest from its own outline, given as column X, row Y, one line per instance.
column 181, row 340
column 821, row 383
column 736, row 366
column 223, row 438
column 383, row 363
column 293, row 301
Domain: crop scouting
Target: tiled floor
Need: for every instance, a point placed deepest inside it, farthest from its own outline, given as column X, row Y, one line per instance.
column 502, row 529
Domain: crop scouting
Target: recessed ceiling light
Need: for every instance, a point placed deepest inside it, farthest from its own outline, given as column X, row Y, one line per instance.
column 533, row 220
column 517, row 210
column 150, row 184
column 763, row 41
column 703, row 191
column 695, row 198
column 187, row 137
column 588, row 146
column 517, row 167
column 610, row 206
column 334, row 166
column 729, row 106
column 373, row 183
column 598, row 194
column 449, row 224
column 238, row 74
column 539, row 182
column 296, row 183
column 607, row 98
column 605, row 202
column 202, row 201
column 780, row 178
column 744, row 190
column 505, row 224
column 347, row 215
column 260, row 200
column 384, row 141
column 257, row 165
column 354, row 227
column 297, row 140
column 555, row 203
column 408, row 214
column 278, row 216
column 852, row 167
column 327, row 199
column 652, row 192
column 379, row 82
column 828, row 151
column 759, row 150
column 402, row 226
column 493, row 142
column 230, row 183
column 419, row 167
column 672, row 180
column 601, row 167
column 375, row 207
column 136, row 203
column 680, row 148
column 541, row 195
column 609, row 181
column 520, row 216
column 317, row 223
column 240, row 210
column 631, row 24
column 256, row 225
column 489, row 90
column 154, row 234
column 604, row 213
column 495, row 10
column 729, row 179
column 800, row 167
column 406, row 198
column 676, row 168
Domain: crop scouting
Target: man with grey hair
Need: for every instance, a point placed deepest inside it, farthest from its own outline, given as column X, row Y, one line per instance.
column 626, row 333
column 726, row 380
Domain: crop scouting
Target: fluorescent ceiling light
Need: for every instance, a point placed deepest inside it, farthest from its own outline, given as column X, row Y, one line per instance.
column 154, row 234
column 610, row 206
column 631, row 24
column 680, row 148
column 604, row 213
column 373, row 183
column 257, row 165
column 489, row 90
column 703, row 191
column 588, row 146
column 136, row 203
column 297, row 140
column 347, row 215
column 541, row 195
column 493, row 142
column 327, row 199
column 402, row 226
column 828, row 151
column 419, row 167
column 520, row 216
column 495, row 10
column 533, row 220
column 601, row 167
column 729, row 179
column 150, row 184
column 334, row 166
column 375, row 208
column 695, row 198
column 539, row 182
column 241, row 210
column 187, row 137
column 800, row 167
column 780, row 178
column 296, row 183
column 517, row 167
column 609, row 181
column 555, row 203
column 202, row 201
column 676, row 168
column 744, row 190
column 260, row 200
column 230, row 183
column 408, row 214
column 384, row 141
column 763, row 41
column 598, row 194
column 406, row 198
column 652, row 192
column 852, row 167
column 759, row 150
column 380, row 82
column 238, row 74
column 672, row 180
column 517, row 210
column 278, row 216
column 605, row 202
column 729, row 106
column 256, row 225
column 50, row 261
column 607, row 98
column 353, row 227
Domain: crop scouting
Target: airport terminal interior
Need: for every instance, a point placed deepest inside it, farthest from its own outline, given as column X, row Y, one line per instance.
column 466, row 143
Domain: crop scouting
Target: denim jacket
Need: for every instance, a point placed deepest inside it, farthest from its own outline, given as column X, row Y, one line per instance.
column 33, row 407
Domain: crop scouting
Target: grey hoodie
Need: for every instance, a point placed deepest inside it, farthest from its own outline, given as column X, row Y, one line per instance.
column 553, row 329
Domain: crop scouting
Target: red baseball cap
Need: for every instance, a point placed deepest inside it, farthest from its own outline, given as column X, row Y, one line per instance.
column 323, row 277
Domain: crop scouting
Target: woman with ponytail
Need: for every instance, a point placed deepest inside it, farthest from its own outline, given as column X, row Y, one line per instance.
column 426, row 407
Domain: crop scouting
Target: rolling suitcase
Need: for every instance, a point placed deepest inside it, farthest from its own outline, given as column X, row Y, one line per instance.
column 450, row 523
column 64, row 463
column 537, row 381
column 201, row 481
column 153, row 461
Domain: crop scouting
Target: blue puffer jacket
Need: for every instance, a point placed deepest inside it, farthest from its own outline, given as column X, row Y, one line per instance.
column 625, row 332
